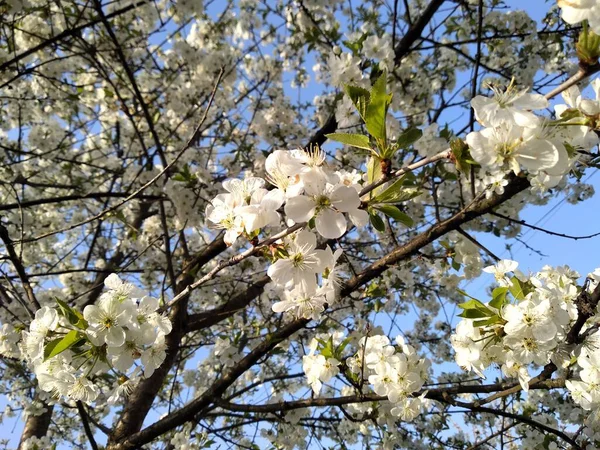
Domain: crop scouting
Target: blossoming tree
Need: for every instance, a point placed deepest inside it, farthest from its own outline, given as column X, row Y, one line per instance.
column 245, row 224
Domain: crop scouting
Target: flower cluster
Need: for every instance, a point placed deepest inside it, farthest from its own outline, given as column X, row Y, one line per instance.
column 514, row 138
column 245, row 208
column 313, row 195
column 303, row 182
column 395, row 371
column 514, row 334
column 68, row 350
column 321, row 367
column 306, row 276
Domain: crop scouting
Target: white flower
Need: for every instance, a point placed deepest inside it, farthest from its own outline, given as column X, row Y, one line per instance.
column 319, row 370
column 121, row 289
column 147, row 318
column 221, row 211
column 327, row 206
column 123, row 357
column 575, row 11
column 106, row 321
column 81, row 389
column 153, row 357
column 302, row 264
column 468, row 346
column 513, row 368
column 124, row 387
column 527, row 348
column 46, row 319
column 580, row 391
column 243, row 189
column 500, row 270
column 508, row 107
column 283, row 170
column 262, row 211
column 8, row 341
column 530, row 318
column 494, row 148
column 52, row 375
column 307, row 303
column 331, row 273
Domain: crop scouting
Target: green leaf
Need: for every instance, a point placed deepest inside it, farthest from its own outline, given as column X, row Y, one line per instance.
column 518, row 289
column 72, row 315
column 498, row 297
column 462, row 155
column 377, row 222
column 374, row 172
column 377, row 108
column 355, row 140
column 396, row 214
column 474, row 309
column 340, row 349
column 491, row 321
column 396, row 192
column 59, row 345
column 360, row 97
column 409, row 137
column 473, row 314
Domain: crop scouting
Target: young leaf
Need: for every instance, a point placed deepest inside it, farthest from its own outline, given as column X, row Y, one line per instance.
column 519, row 289
column 355, row 140
column 461, row 154
column 377, row 108
column 491, row 321
column 360, row 97
column 59, row 345
column 340, row 349
column 377, row 221
column 396, row 214
column 475, row 309
column 72, row 315
column 374, row 172
column 473, row 314
column 409, row 137
column 396, row 192
column 498, row 297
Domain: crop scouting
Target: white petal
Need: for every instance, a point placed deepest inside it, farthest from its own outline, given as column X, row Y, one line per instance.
column 531, row 101
column 589, row 107
column 273, row 200
column 115, row 337
column 113, row 281
column 525, row 118
column 149, row 304
column 345, row 198
column 91, row 313
column 359, row 217
column 331, row 224
column 300, row 209
column 537, row 154
column 481, row 149
column 571, row 96
column 562, row 165
column 283, row 306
